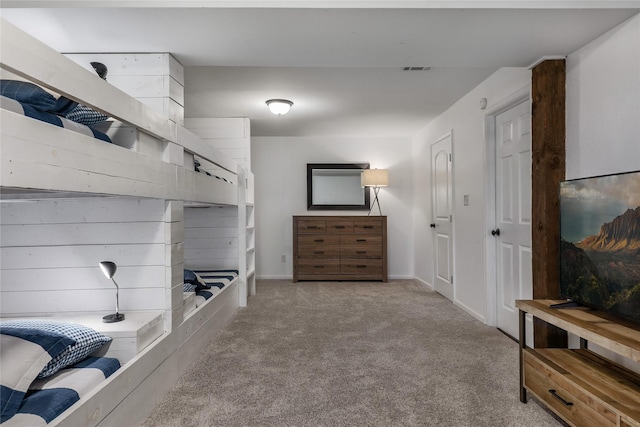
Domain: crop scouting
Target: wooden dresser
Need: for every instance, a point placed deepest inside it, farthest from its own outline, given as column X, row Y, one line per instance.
column 339, row 248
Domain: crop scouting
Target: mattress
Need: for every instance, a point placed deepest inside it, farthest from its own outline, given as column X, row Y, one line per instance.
column 217, row 280
column 49, row 397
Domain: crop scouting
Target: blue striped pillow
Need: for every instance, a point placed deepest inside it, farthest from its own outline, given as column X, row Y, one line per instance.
column 24, row 352
column 86, row 341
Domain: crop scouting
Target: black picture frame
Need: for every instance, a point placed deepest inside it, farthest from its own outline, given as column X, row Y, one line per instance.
column 314, row 169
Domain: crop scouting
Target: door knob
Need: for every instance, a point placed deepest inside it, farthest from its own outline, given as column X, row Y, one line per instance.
column 432, row 225
column 495, row 232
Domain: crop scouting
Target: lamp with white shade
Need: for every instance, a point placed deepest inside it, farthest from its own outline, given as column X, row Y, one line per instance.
column 375, row 178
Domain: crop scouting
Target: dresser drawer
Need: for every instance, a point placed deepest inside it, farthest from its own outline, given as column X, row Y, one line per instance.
column 317, row 240
column 560, row 392
column 374, row 252
column 319, row 252
column 339, row 226
column 369, row 226
column 364, row 267
column 307, row 226
column 320, row 266
column 361, row 240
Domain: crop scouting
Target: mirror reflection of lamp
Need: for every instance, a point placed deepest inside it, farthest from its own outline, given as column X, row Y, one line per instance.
column 109, row 269
column 375, row 178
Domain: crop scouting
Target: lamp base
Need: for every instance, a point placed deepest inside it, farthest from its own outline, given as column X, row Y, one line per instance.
column 112, row 318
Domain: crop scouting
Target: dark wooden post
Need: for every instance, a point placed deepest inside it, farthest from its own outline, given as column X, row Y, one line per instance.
column 548, row 169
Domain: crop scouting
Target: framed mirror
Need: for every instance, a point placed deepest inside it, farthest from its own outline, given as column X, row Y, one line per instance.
column 336, row 186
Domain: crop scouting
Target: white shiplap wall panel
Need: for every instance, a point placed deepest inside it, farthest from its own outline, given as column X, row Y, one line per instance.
column 207, row 233
column 232, row 136
column 100, row 302
column 78, row 278
column 70, row 211
column 211, row 237
column 50, row 250
column 69, row 234
column 57, row 159
column 81, row 255
column 174, row 263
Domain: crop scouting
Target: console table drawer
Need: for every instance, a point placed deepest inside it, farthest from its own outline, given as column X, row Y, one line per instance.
column 361, row 267
column 372, row 252
column 310, row 266
column 355, row 240
column 559, row 390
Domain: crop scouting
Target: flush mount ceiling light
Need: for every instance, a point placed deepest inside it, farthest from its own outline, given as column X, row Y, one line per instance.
column 279, row 106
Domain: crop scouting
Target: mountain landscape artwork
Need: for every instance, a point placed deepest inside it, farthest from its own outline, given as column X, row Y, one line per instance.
column 600, row 243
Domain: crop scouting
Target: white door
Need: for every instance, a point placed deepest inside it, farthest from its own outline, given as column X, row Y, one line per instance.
column 442, row 202
column 513, row 214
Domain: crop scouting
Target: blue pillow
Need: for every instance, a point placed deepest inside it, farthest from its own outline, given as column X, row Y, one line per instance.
column 28, row 93
column 86, row 341
column 192, row 278
column 85, row 116
column 24, row 352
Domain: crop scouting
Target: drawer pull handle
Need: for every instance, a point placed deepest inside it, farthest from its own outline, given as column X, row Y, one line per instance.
column 557, row 396
column 318, row 266
column 340, row 226
column 318, row 252
column 361, row 252
column 361, row 266
column 312, row 227
column 367, row 226
column 361, row 240
column 318, row 241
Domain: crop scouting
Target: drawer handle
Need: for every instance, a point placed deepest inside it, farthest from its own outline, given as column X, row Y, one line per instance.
column 361, row 252
column 312, row 227
column 318, row 266
column 361, row 240
column 340, row 226
column 557, row 396
column 318, row 241
column 367, row 226
column 361, row 266
column 318, row 252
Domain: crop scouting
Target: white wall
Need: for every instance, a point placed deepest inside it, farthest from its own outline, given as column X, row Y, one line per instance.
column 603, row 110
column 465, row 120
column 603, row 104
column 280, row 168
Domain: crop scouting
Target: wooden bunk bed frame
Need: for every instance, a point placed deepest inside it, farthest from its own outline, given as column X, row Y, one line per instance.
column 40, row 161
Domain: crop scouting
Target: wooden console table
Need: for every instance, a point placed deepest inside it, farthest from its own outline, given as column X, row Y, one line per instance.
column 339, row 248
column 583, row 388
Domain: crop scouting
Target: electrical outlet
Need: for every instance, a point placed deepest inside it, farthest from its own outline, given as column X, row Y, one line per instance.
column 283, row 258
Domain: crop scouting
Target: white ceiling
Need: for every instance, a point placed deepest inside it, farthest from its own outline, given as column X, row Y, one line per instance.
column 342, row 67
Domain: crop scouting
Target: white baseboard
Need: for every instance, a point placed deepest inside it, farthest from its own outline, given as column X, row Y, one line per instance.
column 423, row 283
column 276, row 277
column 471, row 312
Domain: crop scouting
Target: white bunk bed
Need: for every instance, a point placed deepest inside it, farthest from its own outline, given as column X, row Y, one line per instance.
column 70, row 201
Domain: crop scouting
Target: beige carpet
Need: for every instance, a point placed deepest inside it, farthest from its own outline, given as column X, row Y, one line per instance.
column 352, row 354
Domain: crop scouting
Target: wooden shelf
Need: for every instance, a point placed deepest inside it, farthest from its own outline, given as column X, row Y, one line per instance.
column 589, row 324
column 583, row 388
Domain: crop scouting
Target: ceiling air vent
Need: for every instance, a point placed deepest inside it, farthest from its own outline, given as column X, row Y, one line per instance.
column 416, row 68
